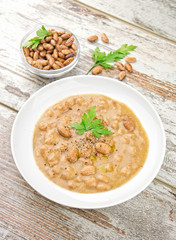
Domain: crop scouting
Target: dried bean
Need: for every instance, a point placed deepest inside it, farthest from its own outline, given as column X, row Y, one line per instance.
column 69, row 42
column 26, row 52
column 42, row 62
column 40, row 47
column 55, row 66
column 36, row 55
column 66, row 35
column 60, row 40
column 43, row 53
column 31, row 54
column 73, row 51
column 47, row 67
column 61, row 32
column 60, row 60
column 97, row 70
column 92, row 38
column 51, row 61
column 43, row 41
column 48, row 39
column 68, row 61
column 35, row 50
column 63, row 47
column 29, row 59
column 130, row 59
column 70, row 55
column 120, row 66
column 49, row 51
column 66, row 51
column 104, row 38
column 48, row 46
column 129, row 67
column 55, row 54
column 122, row 75
column 74, row 46
column 53, row 42
column 55, row 36
column 60, row 64
column 58, row 47
column 61, row 55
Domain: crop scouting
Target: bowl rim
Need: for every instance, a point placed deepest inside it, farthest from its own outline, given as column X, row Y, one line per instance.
column 149, row 179
column 49, row 72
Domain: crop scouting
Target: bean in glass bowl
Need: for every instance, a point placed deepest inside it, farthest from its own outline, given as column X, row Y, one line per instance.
column 49, row 53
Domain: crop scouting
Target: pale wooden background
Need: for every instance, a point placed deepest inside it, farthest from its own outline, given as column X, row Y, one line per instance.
column 150, row 25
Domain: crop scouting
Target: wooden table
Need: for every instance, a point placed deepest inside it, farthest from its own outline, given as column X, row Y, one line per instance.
column 151, row 25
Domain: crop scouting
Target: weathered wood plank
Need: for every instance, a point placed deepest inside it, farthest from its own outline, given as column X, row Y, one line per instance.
column 27, row 215
column 155, row 16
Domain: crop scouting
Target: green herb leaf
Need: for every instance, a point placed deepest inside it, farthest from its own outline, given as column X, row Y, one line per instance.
column 101, row 58
column 105, row 65
column 34, row 42
column 88, row 123
column 77, row 126
column 43, row 32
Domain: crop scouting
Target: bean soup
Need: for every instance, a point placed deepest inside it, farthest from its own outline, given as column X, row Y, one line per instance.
column 83, row 162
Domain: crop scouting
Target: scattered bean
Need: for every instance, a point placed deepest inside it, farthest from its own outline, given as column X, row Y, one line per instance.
column 128, row 67
column 104, row 38
column 130, row 59
column 92, row 38
column 122, row 75
column 97, row 70
column 120, row 66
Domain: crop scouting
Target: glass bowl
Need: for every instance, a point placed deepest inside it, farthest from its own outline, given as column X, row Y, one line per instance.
column 48, row 73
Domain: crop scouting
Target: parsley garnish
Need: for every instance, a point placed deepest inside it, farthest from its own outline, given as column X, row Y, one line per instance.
column 34, row 42
column 88, row 123
column 101, row 58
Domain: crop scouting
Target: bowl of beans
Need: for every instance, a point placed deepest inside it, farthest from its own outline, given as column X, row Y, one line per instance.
column 49, row 52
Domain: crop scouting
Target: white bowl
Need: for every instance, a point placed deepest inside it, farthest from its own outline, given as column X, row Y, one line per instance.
column 22, row 140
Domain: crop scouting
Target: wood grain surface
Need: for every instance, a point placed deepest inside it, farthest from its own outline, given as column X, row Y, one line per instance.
column 154, row 16
column 24, row 214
